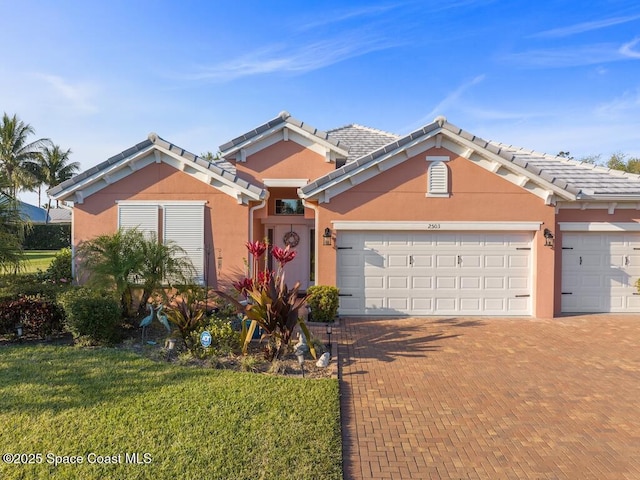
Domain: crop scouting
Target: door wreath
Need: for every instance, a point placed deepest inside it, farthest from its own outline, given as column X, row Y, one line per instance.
column 291, row 238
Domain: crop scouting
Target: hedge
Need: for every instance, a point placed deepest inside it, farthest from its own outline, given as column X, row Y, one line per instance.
column 50, row 236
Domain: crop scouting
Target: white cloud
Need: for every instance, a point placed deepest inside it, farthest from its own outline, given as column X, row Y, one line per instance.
column 584, row 27
column 300, row 59
column 450, row 101
column 78, row 97
column 566, row 57
column 627, row 49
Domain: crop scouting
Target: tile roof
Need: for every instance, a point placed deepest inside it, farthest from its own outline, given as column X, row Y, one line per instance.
column 216, row 167
column 59, row 215
column 576, row 178
column 588, row 179
column 361, row 140
column 98, row 168
column 283, row 119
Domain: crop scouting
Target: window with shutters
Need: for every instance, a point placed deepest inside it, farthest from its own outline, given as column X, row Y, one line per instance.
column 438, row 180
column 180, row 222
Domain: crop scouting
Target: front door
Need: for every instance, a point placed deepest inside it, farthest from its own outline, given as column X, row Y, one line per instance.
column 298, row 237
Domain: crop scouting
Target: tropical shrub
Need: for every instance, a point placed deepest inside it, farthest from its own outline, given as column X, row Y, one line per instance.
column 126, row 259
column 187, row 313
column 224, row 339
column 59, row 270
column 38, row 316
column 93, row 314
column 271, row 304
column 323, row 301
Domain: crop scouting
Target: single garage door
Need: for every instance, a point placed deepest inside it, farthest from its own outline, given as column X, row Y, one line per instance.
column 434, row 273
column 599, row 272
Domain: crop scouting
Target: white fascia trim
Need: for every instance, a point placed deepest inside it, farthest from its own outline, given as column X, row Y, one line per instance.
column 285, row 182
column 161, row 202
column 435, row 225
column 599, row 227
column 437, row 158
column 102, row 173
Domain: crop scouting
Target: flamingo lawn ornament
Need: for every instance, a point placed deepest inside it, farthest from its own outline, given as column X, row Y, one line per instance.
column 162, row 318
column 146, row 321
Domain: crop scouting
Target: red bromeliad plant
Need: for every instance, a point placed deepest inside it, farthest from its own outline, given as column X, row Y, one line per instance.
column 271, row 305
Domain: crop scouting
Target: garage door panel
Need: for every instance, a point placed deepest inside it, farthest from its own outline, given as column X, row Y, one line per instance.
column 634, row 302
column 519, row 261
column 445, row 305
column 422, row 261
column 519, row 283
column 398, row 282
column 374, row 260
column 397, row 260
column 470, row 283
column 518, row 306
column 446, row 282
column 494, row 282
column 374, row 282
column 421, row 282
column 471, row 261
column 495, row 304
column 398, row 303
column 444, row 261
column 471, row 304
column 494, row 261
column 422, row 305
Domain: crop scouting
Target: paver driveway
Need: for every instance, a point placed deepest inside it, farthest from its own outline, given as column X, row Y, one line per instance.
column 491, row 398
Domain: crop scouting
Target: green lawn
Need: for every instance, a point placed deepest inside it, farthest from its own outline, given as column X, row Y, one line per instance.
column 38, row 259
column 191, row 423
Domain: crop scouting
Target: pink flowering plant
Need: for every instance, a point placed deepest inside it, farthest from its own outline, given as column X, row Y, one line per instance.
column 270, row 303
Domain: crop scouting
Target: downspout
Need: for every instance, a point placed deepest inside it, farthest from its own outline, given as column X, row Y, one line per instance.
column 261, row 205
column 316, row 222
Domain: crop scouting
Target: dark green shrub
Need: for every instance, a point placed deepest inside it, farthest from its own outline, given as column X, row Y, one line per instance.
column 30, row 285
column 93, row 314
column 224, row 339
column 50, row 236
column 59, row 270
column 323, row 301
column 38, row 316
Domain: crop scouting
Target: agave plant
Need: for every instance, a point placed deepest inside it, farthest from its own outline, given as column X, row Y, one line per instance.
column 271, row 305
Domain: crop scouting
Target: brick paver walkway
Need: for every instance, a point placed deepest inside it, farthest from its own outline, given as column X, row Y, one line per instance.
column 491, row 398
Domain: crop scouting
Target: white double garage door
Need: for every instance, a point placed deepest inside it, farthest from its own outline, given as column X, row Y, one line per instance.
column 434, row 273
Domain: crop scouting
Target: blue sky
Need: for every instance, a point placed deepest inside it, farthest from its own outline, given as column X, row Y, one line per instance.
column 97, row 77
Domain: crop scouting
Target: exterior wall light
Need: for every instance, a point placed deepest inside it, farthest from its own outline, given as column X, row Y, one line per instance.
column 548, row 238
column 326, row 237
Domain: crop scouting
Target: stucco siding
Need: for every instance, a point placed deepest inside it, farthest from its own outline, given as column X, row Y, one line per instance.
column 226, row 227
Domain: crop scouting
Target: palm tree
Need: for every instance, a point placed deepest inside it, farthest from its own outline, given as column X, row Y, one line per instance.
column 51, row 167
column 15, row 152
column 12, row 229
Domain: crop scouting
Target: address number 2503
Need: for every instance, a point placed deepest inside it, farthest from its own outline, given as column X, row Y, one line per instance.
column 433, row 226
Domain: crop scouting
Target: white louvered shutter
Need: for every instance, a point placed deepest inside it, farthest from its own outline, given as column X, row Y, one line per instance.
column 438, row 179
column 184, row 224
column 142, row 216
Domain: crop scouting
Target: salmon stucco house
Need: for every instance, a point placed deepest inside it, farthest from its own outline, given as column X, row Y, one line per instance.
column 437, row 222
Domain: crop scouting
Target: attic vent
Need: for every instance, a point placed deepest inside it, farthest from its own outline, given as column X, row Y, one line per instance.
column 438, row 180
